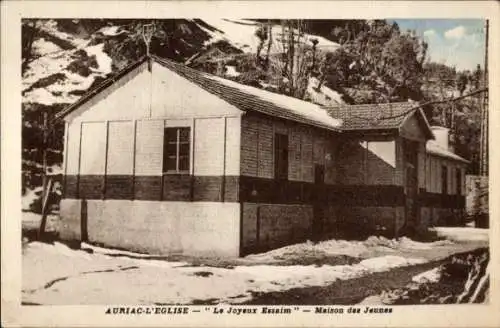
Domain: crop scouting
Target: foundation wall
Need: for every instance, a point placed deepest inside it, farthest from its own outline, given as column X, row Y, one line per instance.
column 193, row 228
column 268, row 226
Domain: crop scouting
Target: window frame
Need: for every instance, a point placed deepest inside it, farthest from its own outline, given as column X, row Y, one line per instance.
column 177, row 155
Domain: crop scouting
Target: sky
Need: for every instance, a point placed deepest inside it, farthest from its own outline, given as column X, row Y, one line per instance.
column 455, row 42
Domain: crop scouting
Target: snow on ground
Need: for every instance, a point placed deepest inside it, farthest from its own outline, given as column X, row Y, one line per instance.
column 363, row 249
column 59, row 91
column 463, row 234
column 31, row 221
column 47, row 65
column 50, row 26
column 325, row 96
column 55, row 274
column 103, row 60
column 29, row 197
column 431, row 276
column 112, row 30
column 43, row 47
column 241, row 34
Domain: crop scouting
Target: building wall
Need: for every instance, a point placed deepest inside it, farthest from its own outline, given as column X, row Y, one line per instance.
column 307, row 147
column 162, row 94
column 107, row 166
column 438, row 208
column 114, row 154
column 368, row 162
column 194, row 228
column 370, row 180
column 284, row 209
column 268, row 226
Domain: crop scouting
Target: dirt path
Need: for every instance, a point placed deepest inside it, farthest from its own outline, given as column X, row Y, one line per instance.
column 345, row 292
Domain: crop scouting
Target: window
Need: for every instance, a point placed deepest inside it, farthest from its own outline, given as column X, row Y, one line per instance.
column 176, row 148
column 281, row 156
column 459, row 181
column 444, row 179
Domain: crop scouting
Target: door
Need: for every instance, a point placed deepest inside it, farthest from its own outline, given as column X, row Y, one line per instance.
column 318, row 223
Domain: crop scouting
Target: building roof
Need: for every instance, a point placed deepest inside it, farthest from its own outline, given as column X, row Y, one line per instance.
column 389, row 116
column 249, row 98
column 244, row 97
column 385, row 116
column 433, row 148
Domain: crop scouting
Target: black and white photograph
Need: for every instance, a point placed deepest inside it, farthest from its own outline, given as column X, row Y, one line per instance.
column 254, row 165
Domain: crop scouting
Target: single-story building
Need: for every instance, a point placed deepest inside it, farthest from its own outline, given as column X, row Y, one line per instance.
column 165, row 159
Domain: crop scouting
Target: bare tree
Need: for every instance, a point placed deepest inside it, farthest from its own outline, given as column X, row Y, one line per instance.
column 29, row 31
column 293, row 62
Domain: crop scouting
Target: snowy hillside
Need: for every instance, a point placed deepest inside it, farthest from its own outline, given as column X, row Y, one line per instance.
column 67, row 65
column 241, row 34
column 60, row 76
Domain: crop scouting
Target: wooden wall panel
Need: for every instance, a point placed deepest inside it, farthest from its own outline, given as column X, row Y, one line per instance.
column 127, row 99
column 318, row 149
column 93, row 148
column 265, row 168
column 413, row 129
column 120, row 148
column 421, row 165
column 351, row 163
column 209, row 146
column 233, row 142
column 149, row 147
column 249, row 139
column 306, row 158
column 294, row 154
column 175, row 96
column 331, row 160
column 73, row 148
column 380, row 162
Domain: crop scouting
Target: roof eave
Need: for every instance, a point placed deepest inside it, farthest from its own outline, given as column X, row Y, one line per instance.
column 101, row 87
column 455, row 158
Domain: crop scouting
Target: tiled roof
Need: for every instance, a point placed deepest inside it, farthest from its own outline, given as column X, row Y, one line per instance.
column 249, row 98
column 372, row 116
column 433, row 148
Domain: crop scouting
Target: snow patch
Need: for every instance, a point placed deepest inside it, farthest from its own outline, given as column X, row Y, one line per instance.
column 42, row 47
column 384, row 263
column 103, row 60
column 431, row 276
column 324, row 96
column 372, row 245
column 29, row 197
column 146, row 281
column 59, row 92
column 50, row 26
column 44, row 97
column 463, row 233
column 231, row 71
column 304, row 109
column 112, row 30
column 241, row 34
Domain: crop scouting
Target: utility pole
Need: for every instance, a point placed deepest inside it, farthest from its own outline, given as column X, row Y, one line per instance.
column 483, row 152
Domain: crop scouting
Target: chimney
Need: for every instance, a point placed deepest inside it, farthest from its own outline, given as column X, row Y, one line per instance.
column 441, row 134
